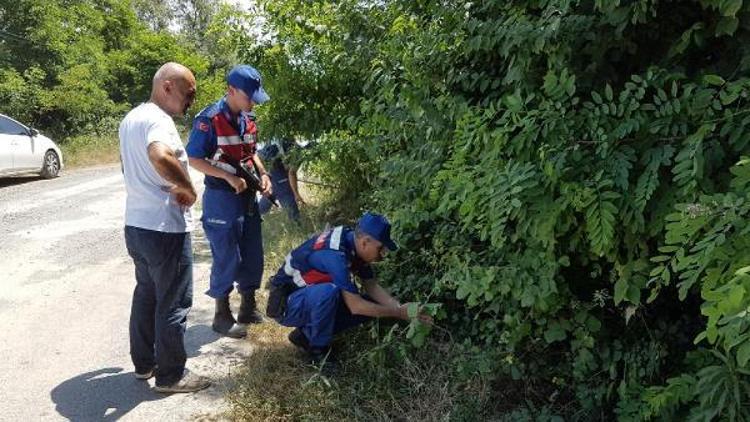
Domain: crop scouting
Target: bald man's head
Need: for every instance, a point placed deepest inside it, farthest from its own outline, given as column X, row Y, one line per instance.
column 173, row 88
column 171, row 71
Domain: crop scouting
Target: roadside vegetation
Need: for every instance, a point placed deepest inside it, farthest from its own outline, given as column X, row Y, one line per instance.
column 83, row 150
column 72, row 69
column 382, row 375
column 568, row 181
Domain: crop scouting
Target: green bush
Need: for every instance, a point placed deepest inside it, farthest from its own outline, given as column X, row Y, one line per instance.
column 68, row 68
column 569, row 177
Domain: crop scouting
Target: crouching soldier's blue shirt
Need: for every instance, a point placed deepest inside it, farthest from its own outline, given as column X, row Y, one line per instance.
column 320, row 269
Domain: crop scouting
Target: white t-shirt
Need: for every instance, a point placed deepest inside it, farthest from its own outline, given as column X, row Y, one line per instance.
column 149, row 204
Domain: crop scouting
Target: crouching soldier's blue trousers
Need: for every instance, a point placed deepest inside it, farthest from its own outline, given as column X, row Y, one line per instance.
column 320, row 312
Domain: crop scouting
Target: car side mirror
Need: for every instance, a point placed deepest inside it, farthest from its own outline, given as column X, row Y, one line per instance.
column 33, row 132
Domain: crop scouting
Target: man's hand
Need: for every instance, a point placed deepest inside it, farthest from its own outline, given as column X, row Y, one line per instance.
column 184, row 196
column 238, row 184
column 266, row 185
column 163, row 158
column 425, row 319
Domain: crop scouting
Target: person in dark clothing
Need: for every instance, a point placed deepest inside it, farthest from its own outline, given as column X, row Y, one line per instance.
column 284, row 179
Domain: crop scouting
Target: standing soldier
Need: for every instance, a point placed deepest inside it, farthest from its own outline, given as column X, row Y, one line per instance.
column 223, row 135
column 284, row 178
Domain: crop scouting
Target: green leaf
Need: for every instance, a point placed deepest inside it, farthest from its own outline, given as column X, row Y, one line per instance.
column 484, row 84
column 656, row 271
column 550, row 83
column 621, row 288
column 730, row 7
column 715, row 80
column 743, row 354
column 412, row 310
column 513, row 103
column 593, row 324
column 600, row 221
column 554, row 333
column 727, row 25
column 634, row 295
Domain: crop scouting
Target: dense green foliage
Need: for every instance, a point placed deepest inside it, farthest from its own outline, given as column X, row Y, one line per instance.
column 75, row 67
column 569, row 177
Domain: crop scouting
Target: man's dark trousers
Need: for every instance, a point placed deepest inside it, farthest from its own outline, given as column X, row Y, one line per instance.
column 161, row 301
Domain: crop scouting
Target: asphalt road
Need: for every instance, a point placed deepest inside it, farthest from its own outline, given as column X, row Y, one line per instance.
column 66, row 283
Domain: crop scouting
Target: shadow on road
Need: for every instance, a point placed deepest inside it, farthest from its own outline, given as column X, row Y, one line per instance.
column 197, row 336
column 110, row 393
column 18, row 180
column 106, row 394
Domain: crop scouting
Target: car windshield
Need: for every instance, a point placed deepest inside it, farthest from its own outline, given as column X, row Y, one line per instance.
column 9, row 127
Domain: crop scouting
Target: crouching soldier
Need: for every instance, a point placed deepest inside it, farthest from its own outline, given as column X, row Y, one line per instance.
column 313, row 291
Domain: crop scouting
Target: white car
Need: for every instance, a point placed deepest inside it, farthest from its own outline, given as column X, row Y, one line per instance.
column 23, row 149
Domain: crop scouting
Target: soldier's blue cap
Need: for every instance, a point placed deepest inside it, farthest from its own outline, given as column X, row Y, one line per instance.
column 247, row 78
column 378, row 227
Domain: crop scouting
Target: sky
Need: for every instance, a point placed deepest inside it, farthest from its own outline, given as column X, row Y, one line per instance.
column 244, row 3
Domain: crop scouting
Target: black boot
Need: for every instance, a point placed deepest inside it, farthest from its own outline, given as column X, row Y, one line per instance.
column 322, row 358
column 248, row 311
column 224, row 322
column 297, row 338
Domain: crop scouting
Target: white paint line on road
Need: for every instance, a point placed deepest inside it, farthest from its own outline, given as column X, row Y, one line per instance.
column 109, row 181
column 99, row 220
column 62, row 229
column 114, row 183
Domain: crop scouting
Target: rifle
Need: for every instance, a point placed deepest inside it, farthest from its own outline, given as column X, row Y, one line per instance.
column 250, row 174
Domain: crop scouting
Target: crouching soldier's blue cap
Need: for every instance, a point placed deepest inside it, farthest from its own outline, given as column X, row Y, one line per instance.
column 378, row 227
column 247, row 78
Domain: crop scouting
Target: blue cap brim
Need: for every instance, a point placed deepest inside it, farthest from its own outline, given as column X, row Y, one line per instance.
column 391, row 245
column 260, row 96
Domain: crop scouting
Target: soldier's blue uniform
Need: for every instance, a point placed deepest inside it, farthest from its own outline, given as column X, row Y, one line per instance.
column 272, row 155
column 230, row 220
column 320, row 269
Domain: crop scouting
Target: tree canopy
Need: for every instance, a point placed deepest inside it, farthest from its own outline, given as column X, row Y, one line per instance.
column 73, row 67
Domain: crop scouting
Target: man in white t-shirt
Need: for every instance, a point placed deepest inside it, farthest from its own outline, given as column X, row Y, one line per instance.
column 158, row 223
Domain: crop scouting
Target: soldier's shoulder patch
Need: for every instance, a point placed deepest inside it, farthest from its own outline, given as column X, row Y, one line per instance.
column 201, row 126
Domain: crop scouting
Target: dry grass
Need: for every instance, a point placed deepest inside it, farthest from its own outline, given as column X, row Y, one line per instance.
column 421, row 385
column 91, row 150
column 379, row 379
column 82, row 151
column 275, row 386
